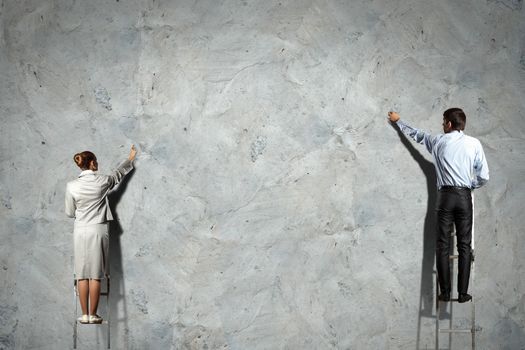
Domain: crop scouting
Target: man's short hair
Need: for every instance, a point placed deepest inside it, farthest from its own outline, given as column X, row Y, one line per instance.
column 456, row 117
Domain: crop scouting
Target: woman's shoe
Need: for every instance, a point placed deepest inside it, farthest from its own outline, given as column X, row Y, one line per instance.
column 95, row 319
column 83, row 319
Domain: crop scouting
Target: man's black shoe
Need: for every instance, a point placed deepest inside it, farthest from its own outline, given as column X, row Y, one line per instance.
column 463, row 298
column 444, row 297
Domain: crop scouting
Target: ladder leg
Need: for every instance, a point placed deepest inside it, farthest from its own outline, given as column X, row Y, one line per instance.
column 450, row 324
column 75, row 322
column 473, row 274
column 451, row 282
column 437, row 312
column 108, row 312
column 473, row 325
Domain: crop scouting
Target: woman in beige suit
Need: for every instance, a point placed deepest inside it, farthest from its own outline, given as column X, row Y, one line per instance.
column 87, row 202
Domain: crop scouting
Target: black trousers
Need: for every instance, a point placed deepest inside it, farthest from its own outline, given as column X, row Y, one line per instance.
column 454, row 206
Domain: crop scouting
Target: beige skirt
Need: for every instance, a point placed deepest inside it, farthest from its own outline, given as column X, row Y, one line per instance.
column 91, row 247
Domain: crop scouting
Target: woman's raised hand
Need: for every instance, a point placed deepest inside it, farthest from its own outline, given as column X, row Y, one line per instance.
column 132, row 153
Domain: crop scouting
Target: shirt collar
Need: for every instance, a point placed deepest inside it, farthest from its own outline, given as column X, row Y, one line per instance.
column 86, row 172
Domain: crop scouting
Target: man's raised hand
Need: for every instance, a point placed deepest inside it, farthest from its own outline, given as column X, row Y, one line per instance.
column 393, row 116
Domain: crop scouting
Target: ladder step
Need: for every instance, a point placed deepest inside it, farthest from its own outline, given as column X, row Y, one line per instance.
column 456, row 330
column 92, row 324
column 452, row 257
column 456, row 300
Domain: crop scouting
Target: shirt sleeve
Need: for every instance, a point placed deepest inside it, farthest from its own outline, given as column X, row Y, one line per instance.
column 122, row 170
column 418, row 135
column 70, row 206
column 481, row 168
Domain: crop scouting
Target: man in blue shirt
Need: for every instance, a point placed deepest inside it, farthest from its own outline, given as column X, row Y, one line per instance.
column 461, row 166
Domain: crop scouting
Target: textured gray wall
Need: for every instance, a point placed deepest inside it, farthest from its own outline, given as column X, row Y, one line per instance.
column 272, row 206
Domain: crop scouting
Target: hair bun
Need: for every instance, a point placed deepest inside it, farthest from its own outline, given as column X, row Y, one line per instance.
column 84, row 159
column 78, row 159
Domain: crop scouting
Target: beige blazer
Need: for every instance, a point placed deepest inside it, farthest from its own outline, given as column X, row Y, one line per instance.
column 86, row 197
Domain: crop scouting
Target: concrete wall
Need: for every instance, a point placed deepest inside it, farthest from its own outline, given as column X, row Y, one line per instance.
column 272, row 206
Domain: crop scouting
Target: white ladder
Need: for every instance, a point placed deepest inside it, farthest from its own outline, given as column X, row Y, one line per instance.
column 450, row 330
column 104, row 322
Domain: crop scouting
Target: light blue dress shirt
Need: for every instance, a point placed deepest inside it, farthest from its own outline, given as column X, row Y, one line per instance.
column 459, row 159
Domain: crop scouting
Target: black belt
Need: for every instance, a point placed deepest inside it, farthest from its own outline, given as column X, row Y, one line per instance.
column 454, row 188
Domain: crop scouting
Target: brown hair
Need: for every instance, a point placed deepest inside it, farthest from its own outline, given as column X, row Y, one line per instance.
column 456, row 117
column 83, row 159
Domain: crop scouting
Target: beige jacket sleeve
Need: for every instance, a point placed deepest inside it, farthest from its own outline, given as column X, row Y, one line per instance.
column 70, row 204
column 122, row 170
